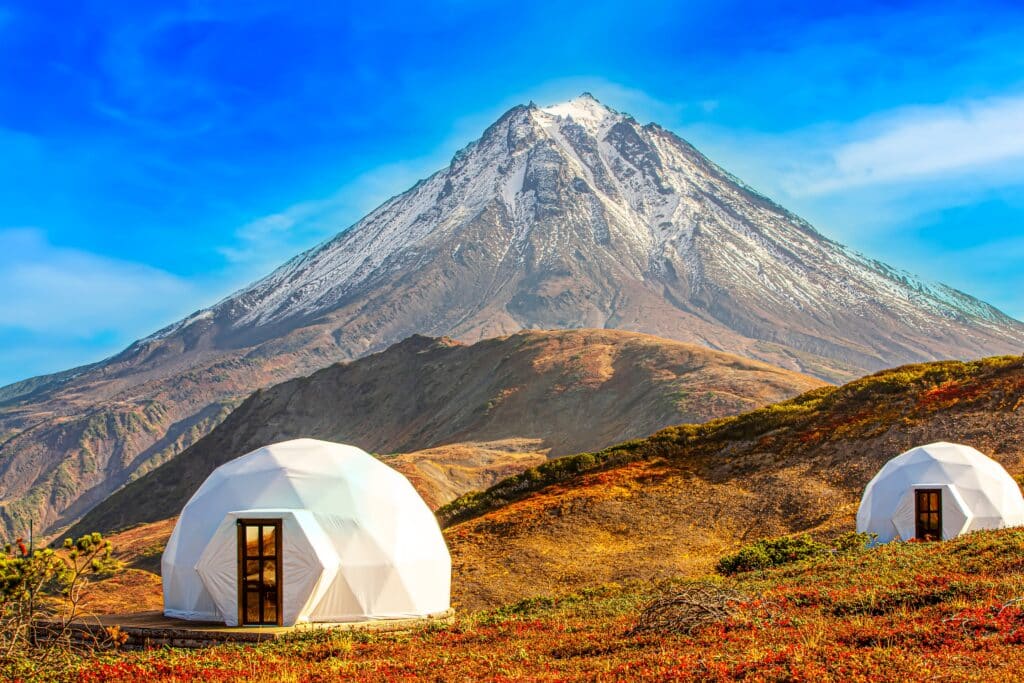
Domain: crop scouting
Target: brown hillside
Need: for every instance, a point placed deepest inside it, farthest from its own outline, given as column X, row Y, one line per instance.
column 136, row 587
column 673, row 503
column 443, row 473
column 566, row 391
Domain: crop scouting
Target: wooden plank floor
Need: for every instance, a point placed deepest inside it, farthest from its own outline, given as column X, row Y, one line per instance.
column 153, row 629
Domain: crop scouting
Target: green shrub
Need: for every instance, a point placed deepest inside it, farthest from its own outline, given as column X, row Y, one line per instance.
column 770, row 552
column 852, row 542
column 46, row 583
column 533, row 479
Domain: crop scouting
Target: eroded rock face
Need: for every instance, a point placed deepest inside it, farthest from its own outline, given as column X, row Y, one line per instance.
column 568, row 216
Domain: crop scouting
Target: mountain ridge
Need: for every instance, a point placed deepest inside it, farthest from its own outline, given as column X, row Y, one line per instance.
column 482, row 411
column 290, row 291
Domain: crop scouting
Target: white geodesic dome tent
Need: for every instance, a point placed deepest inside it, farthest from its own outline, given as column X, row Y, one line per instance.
column 339, row 536
column 950, row 486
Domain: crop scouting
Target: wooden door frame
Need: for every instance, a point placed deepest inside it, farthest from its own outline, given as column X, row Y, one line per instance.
column 917, row 509
column 240, row 525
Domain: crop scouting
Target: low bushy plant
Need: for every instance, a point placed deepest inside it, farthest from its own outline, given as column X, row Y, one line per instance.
column 770, row 552
column 852, row 542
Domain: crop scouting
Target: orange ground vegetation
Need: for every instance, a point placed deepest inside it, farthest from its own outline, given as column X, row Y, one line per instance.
column 942, row 611
column 671, row 504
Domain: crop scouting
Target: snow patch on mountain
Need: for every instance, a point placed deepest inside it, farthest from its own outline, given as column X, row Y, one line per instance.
column 584, row 110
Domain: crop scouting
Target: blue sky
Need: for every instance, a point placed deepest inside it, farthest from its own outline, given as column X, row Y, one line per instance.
column 157, row 156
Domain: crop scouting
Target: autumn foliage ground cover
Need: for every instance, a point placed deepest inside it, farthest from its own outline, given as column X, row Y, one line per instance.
column 913, row 611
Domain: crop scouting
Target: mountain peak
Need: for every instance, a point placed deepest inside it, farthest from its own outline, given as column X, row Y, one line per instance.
column 558, row 215
column 585, row 110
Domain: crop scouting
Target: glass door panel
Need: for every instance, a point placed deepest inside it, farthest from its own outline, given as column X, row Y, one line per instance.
column 928, row 513
column 259, row 570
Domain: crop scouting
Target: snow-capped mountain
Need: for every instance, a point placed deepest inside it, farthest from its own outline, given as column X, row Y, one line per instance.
column 567, row 216
column 577, row 216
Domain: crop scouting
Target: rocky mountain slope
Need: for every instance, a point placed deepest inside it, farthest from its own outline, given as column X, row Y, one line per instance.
column 561, row 217
column 482, row 411
column 675, row 502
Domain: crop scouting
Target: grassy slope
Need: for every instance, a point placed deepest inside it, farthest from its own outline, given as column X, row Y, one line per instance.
column 674, row 502
column 649, row 517
column 940, row 611
column 443, row 473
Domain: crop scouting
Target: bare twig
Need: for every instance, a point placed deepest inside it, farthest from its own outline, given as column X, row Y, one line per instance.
column 686, row 611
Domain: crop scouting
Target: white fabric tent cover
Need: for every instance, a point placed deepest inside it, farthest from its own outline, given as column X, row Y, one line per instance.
column 977, row 493
column 358, row 541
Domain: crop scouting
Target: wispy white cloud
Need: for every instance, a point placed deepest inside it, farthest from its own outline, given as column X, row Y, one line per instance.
column 884, row 184
column 77, row 294
column 268, row 241
column 918, row 144
column 264, row 237
column 879, row 173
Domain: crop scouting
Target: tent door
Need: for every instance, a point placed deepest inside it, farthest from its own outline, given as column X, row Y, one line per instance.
column 259, row 572
column 928, row 514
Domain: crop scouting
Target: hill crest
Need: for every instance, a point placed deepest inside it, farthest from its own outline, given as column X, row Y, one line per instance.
column 690, row 493
column 481, row 411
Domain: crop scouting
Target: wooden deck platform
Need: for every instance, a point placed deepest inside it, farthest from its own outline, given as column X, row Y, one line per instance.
column 153, row 629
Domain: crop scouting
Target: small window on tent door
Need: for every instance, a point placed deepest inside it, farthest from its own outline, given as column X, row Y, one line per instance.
column 928, row 514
